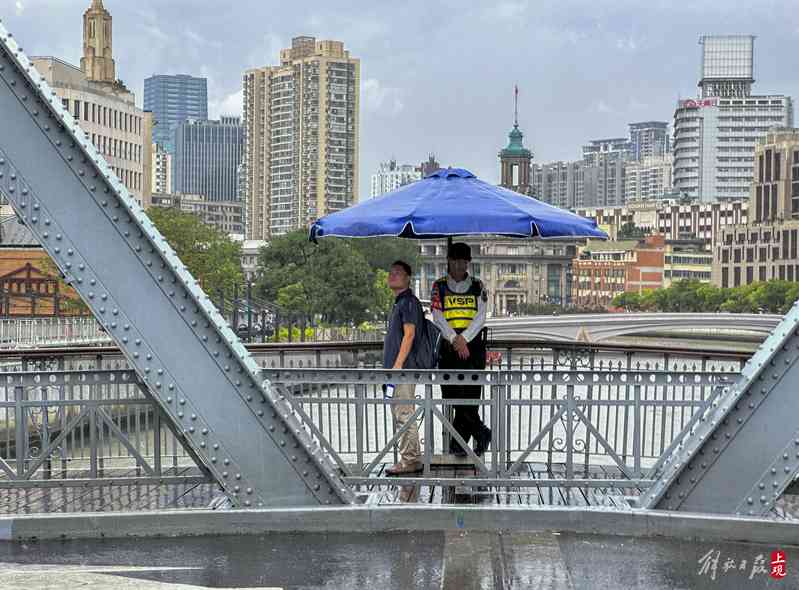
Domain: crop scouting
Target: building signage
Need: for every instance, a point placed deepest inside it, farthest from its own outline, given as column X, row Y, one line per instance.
column 699, row 103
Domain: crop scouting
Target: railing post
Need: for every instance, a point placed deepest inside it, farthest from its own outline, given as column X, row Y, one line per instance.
column 21, row 434
column 428, row 426
column 360, row 395
column 570, row 431
column 637, row 430
column 249, row 311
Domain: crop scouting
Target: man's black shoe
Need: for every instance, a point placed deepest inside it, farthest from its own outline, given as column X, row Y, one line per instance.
column 483, row 441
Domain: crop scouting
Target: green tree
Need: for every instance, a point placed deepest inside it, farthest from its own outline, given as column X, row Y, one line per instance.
column 630, row 231
column 333, row 278
column 629, row 301
column 384, row 299
column 382, row 252
column 209, row 255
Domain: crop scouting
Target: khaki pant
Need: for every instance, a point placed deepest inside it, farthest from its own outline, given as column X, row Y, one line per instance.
column 409, row 441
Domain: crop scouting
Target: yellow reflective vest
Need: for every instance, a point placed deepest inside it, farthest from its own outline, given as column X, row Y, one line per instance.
column 459, row 309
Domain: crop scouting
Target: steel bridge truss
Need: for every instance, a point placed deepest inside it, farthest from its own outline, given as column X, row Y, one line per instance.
column 173, row 337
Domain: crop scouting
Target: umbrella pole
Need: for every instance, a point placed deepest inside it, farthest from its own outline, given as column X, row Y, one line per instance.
column 449, row 243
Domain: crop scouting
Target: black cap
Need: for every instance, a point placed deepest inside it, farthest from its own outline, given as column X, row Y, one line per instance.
column 459, row 251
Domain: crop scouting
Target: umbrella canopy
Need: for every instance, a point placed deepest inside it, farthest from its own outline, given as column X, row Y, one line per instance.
column 454, row 202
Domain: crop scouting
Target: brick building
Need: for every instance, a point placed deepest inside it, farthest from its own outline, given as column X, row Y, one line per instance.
column 603, row 270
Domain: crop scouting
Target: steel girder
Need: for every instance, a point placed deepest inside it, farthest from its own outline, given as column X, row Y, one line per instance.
column 182, row 349
column 744, row 451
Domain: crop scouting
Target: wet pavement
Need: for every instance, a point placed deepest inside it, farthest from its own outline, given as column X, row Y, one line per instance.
column 459, row 560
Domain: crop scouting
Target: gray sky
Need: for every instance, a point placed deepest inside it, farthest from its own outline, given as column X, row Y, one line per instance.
column 438, row 75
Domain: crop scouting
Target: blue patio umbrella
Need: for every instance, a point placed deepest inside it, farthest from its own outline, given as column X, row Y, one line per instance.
column 454, row 202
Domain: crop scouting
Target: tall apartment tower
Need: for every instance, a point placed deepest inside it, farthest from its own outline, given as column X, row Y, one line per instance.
column 715, row 134
column 207, row 158
column 172, row 100
column 103, row 106
column 301, row 126
column 649, row 139
column 515, row 159
column 391, row 176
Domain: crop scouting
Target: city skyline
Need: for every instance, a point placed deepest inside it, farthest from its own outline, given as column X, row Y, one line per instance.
column 604, row 57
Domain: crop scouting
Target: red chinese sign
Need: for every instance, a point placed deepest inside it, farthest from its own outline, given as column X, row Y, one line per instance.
column 699, row 103
column 778, row 570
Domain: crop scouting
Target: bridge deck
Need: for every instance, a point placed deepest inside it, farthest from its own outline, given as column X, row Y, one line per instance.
column 116, row 497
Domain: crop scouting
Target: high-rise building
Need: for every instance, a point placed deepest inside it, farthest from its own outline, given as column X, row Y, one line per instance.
column 390, row 176
column 649, row 139
column 603, row 180
column 301, row 122
column 767, row 246
column 609, row 149
column 715, row 134
column 558, row 183
column 207, row 158
column 224, row 216
column 103, row 107
column 172, row 100
column 162, row 170
column 649, row 178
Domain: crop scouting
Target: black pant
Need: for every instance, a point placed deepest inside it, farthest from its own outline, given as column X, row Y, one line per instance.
column 467, row 420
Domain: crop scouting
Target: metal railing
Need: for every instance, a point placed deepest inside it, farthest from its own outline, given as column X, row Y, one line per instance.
column 35, row 332
column 579, row 421
column 590, row 417
column 82, row 331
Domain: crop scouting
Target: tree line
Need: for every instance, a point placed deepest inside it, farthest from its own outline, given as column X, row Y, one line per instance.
column 694, row 296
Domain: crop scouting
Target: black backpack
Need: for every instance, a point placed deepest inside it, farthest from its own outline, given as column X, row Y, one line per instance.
column 427, row 346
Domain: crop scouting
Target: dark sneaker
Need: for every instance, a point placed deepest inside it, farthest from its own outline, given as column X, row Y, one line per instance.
column 483, row 441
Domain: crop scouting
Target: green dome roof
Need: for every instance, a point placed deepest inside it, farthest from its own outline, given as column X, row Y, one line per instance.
column 516, row 145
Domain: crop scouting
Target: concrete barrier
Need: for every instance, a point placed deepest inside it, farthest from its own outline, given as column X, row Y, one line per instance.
column 379, row 519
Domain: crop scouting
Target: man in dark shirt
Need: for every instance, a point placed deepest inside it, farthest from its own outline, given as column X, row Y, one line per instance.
column 404, row 327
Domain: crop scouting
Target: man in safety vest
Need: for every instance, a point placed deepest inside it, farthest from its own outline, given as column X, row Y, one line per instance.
column 458, row 302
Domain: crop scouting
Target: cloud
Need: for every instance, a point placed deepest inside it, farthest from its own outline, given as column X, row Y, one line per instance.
column 232, row 104
column 379, row 98
column 600, row 106
column 19, row 7
column 510, row 10
column 628, row 44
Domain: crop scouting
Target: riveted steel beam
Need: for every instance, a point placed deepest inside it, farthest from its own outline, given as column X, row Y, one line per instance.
column 181, row 348
column 743, row 452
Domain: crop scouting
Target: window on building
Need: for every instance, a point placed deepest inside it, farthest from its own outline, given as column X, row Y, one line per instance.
column 737, row 255
column 85, row 111
column 769, row 157
column 761, row 273
column 789, row 270
column 777, row 165
column 785, row 242
column 793, row 244
column 782, row 272
column 750, row 254
column 76, row 109
column 759, row 203
column 760, row 177
column 736, row 276
column 774, row 202
column 65, row 102
column 749, row 275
